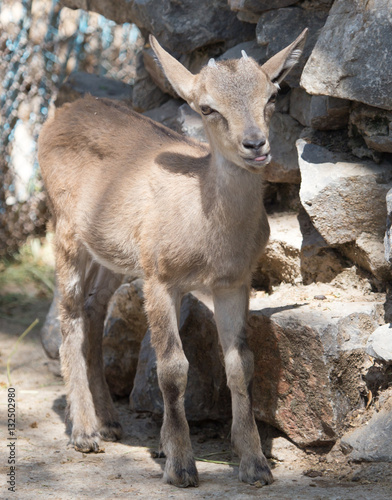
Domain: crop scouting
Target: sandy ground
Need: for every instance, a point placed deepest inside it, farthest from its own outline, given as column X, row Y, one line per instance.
column 48, row 467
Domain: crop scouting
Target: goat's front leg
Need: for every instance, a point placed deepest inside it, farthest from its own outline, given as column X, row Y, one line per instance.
column 162, row 306
column 231, row 309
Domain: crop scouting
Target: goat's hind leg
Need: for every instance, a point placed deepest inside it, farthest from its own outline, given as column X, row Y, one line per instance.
column 162, row 308
column 71, row 261
column 100, row 284
column 231, row 308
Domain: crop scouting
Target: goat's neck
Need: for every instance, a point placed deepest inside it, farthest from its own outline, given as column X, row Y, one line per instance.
column 235, row 189
column 231, row 196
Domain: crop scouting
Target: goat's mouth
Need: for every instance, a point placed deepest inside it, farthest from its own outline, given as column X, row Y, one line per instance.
column 258, row 161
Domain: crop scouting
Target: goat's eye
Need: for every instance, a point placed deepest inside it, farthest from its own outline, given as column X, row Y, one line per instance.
column 206, row 110
column 272, row 99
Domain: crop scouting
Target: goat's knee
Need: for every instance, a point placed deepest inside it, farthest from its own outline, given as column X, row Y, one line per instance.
column 239, row 362
column 173, row 376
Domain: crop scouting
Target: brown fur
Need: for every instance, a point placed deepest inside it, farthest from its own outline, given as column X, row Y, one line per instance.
column 129, row 194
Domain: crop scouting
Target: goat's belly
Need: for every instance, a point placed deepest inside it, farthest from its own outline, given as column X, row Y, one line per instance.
column 210, row 279
column 116, row 260
column 199, row 271
column 224, row 276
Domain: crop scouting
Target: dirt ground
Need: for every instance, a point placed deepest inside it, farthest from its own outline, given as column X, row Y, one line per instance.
column 48, row 467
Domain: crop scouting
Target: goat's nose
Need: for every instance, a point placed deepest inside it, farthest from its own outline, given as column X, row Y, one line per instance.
column 254, row 141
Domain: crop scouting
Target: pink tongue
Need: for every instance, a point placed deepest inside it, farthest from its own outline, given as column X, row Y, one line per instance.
column 260, row 158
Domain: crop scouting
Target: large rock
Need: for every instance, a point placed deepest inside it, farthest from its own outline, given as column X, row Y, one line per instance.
column 50, row 332
column 258, row 6
column 252, row 49
column 250, row 10
column 125, row 327
column 154, row 69
column 290, row 387
column 299, row 349
column 146, row 95
column 167, row 114
column 319, row 112
column 388, row 234
column 309, row 362
column 284, row 132
column 180, row 26
column 80, row 83
column 117, row 10
column 207, row 396
column 351, row 58
column 367, row 251
column 177, row 25
column 278, row 28
column 344, row 198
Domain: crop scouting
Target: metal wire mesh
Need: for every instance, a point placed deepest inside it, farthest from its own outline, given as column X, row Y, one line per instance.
column 40, row 44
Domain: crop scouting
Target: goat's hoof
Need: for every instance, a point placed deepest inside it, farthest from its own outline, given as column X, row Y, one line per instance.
column 255, row 470
column 87, row 443
column 181, row 475
column 111, row 431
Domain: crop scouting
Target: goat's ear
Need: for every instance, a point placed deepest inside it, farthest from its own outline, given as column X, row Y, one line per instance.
column 181, row 79
column 281, row 63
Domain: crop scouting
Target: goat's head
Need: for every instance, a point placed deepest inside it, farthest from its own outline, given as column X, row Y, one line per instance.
column 235, row 98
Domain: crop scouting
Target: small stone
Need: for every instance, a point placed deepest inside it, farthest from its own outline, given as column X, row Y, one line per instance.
column 280, row 262
column 312, row 473
column 380, row 343
column 373, row 126
column 372, row 442
column 319, row 262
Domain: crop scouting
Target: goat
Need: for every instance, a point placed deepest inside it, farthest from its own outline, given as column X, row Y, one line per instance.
column 128, row 194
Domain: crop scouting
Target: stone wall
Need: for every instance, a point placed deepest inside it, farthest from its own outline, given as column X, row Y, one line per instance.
column 321, row 289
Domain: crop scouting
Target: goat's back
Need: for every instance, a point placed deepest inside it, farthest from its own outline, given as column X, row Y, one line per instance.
column 115, row 178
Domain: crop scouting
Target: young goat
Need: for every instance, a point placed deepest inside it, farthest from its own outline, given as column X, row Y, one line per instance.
column 128, row 194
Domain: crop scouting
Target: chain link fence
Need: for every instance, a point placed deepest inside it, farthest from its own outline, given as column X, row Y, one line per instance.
column 40, row 45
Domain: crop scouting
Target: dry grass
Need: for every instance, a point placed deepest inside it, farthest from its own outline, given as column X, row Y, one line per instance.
column 29, row 273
